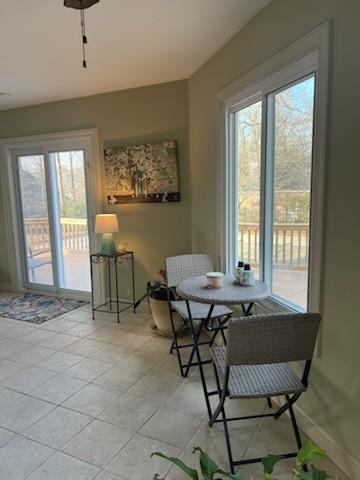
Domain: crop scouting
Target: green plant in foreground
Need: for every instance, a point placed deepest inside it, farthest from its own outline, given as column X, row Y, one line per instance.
column 211, row 471
column 208, row 467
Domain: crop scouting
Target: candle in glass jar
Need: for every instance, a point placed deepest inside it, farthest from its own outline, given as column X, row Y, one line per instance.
column 214, row 279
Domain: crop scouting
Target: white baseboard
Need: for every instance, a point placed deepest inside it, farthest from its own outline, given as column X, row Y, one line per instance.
column 341, row 458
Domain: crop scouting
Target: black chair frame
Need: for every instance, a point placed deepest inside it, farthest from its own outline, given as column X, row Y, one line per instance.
column 288, row 406
column 214, row 326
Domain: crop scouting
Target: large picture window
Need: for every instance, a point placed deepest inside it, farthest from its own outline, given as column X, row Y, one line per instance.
column 271, row 182
column 275, row 238
column 287, row 132
column 293, row 113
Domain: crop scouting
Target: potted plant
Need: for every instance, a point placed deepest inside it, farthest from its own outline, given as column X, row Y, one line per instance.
column 159, row 307
column 211, row 471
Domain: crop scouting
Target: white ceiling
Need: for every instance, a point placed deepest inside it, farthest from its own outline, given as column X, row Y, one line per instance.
column 131, row 43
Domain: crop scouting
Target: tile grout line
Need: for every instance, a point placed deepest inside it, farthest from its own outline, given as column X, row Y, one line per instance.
column 153, row 368
column 102, row 469
column 259, row 423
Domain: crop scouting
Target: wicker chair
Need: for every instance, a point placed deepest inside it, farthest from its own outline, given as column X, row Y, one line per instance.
column 180, row 268
column 254, row 364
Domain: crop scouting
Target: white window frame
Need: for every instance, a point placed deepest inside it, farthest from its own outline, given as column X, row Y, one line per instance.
column 304, row 57
column 10, row 148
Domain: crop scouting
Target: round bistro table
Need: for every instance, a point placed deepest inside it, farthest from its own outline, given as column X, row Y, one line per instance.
column 195, row 289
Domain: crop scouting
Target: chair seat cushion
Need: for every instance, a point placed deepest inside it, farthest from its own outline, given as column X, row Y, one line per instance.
column 199, row 311
column 252, row 381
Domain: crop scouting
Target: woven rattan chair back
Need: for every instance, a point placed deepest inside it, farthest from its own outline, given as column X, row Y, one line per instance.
column 264, row 339
column 181, row 267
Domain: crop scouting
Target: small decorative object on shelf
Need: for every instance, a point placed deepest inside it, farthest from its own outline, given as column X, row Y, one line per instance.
column 107, row 224
column 111, row 262
column 122, row 247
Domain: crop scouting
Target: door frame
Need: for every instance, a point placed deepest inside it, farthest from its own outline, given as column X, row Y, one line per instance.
column 10, row 148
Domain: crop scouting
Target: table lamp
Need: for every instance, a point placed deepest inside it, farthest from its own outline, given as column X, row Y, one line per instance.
column 107, row 224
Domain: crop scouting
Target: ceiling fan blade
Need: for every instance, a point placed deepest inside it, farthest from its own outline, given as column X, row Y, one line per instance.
column 80, row 4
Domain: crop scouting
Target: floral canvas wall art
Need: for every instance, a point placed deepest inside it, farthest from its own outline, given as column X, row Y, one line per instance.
column 142, row 173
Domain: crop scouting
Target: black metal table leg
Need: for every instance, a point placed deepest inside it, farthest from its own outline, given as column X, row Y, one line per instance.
column 198, row 356
column 133, row 283
column 92, row 290
column 109, row 280
column 247, row 310
column 117, row 291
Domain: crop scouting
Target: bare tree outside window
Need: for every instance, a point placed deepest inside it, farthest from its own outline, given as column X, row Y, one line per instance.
column 293, row 134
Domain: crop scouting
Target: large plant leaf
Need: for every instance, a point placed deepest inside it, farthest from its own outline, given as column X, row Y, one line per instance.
column 269, row 463
column 207, row 464
column 232, row 476
column 179, row 463
column 318, row 474
column 209, row 468
column 309, row 452
column 314, row 474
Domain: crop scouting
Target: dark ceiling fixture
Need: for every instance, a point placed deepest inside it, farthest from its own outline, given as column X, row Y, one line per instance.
column 81, row 5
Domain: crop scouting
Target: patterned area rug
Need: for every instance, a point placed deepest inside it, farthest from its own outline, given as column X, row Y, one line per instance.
column 35, row 308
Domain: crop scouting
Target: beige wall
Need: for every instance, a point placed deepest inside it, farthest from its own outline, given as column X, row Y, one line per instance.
column 152, row 113
column 334, row 398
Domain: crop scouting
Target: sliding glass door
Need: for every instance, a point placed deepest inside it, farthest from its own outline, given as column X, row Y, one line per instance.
column 54, row 219
column 37, row 242
column 71, row 219
column 272, row 141
column 292, row 165
column 248, row 147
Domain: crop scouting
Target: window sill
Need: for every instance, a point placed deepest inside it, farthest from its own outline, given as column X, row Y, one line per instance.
column 272, row 305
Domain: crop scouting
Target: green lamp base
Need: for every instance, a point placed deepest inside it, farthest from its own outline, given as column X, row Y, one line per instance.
column 107, row 245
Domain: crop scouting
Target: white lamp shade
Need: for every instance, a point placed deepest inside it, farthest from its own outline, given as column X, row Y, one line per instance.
column 106, row 223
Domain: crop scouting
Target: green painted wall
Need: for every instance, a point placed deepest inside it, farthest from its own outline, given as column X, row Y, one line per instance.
column 334, row 398
column 158, row 112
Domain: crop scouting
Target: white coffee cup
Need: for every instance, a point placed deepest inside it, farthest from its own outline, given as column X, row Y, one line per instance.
column 214, row 279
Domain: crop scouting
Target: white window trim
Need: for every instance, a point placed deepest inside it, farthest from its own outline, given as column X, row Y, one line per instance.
column 308, row 54
column 78, row 139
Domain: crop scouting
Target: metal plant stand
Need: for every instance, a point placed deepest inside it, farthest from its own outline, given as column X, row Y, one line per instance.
column 113, row 305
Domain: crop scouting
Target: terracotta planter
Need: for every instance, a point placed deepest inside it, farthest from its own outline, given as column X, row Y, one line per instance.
column 161, row 317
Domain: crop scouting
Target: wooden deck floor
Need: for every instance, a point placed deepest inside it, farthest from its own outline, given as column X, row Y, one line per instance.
column 288, row 283
column 76, row 272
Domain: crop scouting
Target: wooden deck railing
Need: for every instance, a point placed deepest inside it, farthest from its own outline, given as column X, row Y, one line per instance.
column 290, row 244
column 74, row 234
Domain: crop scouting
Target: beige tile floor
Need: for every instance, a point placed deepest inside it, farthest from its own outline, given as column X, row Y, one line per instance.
column 83, row 400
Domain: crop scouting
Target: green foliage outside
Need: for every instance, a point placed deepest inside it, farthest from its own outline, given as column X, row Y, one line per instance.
column 70, row 181
column 293, row 126
column 73, row 209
